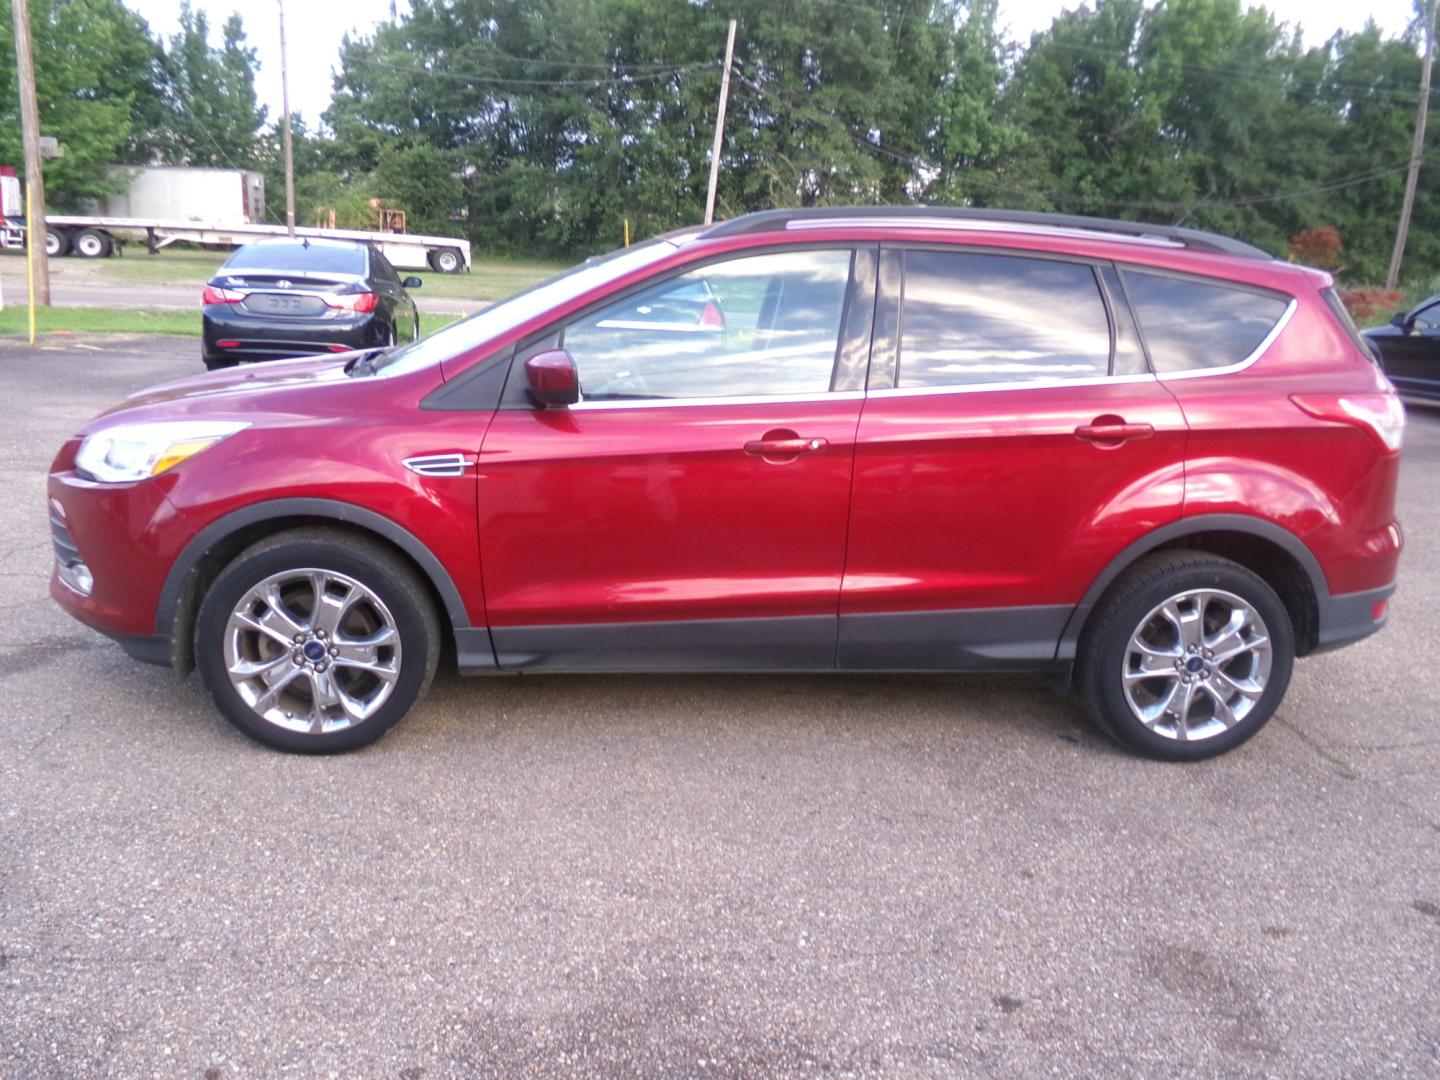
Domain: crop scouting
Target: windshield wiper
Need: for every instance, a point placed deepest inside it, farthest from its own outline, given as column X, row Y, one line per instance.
column 364, row 364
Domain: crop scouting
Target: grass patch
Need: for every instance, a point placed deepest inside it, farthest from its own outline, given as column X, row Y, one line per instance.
column 94, row 320
column 490, row 278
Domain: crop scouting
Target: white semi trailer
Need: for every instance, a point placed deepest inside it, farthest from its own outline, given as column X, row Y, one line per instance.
column 161, row 205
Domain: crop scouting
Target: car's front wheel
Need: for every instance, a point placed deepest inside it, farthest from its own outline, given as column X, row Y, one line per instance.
column 1187, row 656
column 316, row 641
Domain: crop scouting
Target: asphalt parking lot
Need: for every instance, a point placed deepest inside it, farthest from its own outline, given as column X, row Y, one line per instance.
column 728, row 876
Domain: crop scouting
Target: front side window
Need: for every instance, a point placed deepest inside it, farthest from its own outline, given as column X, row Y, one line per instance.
column 753, row 326
column 1192, row 325
column 1428, row 318
column 969, row 318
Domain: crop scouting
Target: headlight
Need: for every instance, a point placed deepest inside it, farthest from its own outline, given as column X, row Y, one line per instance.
column 138, row 451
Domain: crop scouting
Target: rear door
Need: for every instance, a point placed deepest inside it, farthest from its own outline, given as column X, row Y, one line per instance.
column 1013, row 441
column 690, row 511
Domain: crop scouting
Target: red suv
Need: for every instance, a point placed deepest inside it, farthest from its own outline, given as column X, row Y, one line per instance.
column 1150, row 458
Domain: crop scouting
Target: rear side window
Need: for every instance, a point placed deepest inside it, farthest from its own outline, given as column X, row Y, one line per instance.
column 969, row 318
column 299, row 257
column 1191, row 325
column 1342, row 315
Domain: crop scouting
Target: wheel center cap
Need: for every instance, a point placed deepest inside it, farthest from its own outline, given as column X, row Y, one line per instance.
column 1194, row 664
column 314, row 650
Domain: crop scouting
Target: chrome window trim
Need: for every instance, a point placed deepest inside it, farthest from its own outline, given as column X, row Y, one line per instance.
column 1230, row 369
column 1012, row 384
column 992, row 227
column 690, row 402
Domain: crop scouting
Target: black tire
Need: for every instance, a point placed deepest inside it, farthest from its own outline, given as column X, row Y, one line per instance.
column 57, row 243
column 215, row 363
column 445, row 261
column 1105, row 655
column 377, row 569
column 91, row 244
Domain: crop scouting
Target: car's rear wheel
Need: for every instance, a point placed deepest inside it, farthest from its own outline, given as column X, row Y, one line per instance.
column 1187, row 656
column 316, row 641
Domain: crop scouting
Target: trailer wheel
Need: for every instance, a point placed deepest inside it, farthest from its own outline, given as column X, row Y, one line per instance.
column 57, row 243
column 445, row 261
column 92, row 243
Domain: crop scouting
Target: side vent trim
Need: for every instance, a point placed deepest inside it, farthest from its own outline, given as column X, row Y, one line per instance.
column 438, row 464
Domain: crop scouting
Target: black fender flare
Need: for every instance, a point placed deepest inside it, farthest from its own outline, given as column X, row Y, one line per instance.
column 342, row 513
column 1281, row 537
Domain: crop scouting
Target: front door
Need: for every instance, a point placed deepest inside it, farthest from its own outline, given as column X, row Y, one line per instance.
column 690, row 511
column 1411, row 358
column 1012, row 443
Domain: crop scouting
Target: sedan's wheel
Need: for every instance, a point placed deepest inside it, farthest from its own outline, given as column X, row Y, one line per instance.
column 1188, row 656
column 316, row 641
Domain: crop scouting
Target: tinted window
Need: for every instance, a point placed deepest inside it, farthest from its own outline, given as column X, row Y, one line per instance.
column 298, row 257
column 969, row 318
column 1190, row 324
column 1428, row 318
column 382, row 270
column 765, row 324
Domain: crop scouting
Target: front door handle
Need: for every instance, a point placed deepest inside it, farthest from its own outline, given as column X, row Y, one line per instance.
column 1112, row 431
column 784, row 444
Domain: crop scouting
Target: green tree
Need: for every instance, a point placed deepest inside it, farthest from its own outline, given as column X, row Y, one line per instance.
column 98, row 83
column 214, row 118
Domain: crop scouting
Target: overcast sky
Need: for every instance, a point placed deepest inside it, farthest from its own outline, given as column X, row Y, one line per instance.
column 313, row 29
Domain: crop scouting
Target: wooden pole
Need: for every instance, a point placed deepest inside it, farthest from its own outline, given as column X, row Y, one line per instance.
column 37, row 259
column 1417, row 151
column 289, row 146
column 719, row 125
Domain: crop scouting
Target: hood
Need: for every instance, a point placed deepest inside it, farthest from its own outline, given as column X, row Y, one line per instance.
column 246, row 380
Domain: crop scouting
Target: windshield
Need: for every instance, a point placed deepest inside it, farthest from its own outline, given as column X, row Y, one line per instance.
column 498, row 318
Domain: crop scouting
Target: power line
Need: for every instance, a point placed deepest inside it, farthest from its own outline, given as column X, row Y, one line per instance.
column 498, row 80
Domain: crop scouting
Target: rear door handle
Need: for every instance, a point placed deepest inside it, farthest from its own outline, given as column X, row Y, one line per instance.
column 1112, row 429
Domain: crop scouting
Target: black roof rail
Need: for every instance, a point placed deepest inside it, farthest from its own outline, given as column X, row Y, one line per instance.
column 1197, row 239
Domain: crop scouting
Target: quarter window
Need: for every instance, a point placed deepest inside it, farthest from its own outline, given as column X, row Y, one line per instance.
column 972, row 318
column 1191, row 325
column 753, row 326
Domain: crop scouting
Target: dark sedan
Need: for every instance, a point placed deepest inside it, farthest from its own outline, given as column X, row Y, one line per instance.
column 284, row 298
column 1409, row 350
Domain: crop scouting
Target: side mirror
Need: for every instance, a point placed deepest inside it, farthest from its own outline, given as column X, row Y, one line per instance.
column 412, row 283
column 552, row 379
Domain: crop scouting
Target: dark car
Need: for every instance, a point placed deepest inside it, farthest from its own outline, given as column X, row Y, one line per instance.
column 284, row 298
column 1409, row 350
column 1153, row 461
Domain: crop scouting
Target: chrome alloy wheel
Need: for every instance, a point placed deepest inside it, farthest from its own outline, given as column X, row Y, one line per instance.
column 1197, row 664
column 312, row 650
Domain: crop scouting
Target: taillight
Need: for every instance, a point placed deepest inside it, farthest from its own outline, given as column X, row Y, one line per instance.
column 213, row 294
column 712, row 316
column 1381, row 415
column 359, row 302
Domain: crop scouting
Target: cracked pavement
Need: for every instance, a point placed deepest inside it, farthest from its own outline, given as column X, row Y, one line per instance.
column 702, row 875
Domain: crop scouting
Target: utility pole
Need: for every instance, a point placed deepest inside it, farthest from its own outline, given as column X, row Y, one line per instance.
column 719, row 126
column 289, row 145
column 1417, row 150
column 36, row 255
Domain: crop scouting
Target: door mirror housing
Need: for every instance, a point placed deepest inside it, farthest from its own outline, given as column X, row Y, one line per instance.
column 552, row 379
column 1401, row 321
column 412, row 282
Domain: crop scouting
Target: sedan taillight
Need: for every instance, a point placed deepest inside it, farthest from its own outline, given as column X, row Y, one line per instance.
column 358, row 302
column 213, row 294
